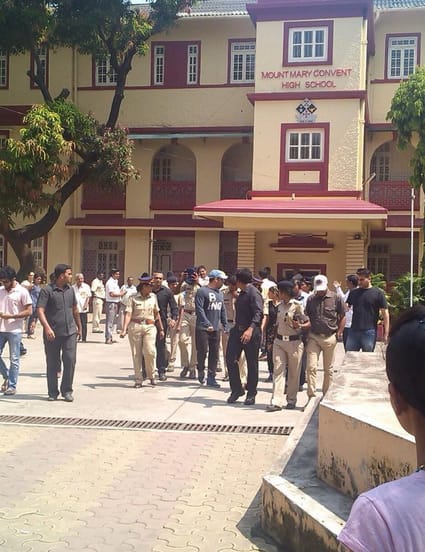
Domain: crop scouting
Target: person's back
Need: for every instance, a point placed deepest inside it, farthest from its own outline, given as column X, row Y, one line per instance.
column 391, row 517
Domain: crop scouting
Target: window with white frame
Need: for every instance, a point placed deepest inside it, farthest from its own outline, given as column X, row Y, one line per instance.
column 380, row 163
column 3, row 68
column 192, row 64
column 308, row 44
column 42, row 53
column 159, row 65
column 242, row 57
column 105, row 73
column 37, row 248
column 304, row 145
column 402, row 56
column 161, row 169
column 2, row 251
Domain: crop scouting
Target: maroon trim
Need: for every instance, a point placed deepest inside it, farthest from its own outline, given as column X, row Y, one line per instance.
column 292, row 266
column 175, row 62
column 403, row 221
column 159, row 221
column 306, row 205
column 189, row 130
column 389, row 234
column 231, row 41
column 284, row 96
column 33, row 86
column 6, row 86
column 108, row 232
column 12, row 115
column 287, row 26
column 380, row 127
column 336, row 193
column 270, row 10
column 149, row 87
column 321, row 166
column 396, row 80
column 174, row 234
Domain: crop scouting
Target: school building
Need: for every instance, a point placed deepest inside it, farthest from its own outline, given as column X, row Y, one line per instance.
column 260, row 131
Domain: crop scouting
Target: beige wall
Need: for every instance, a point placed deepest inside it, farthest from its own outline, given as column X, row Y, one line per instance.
column 347, row 31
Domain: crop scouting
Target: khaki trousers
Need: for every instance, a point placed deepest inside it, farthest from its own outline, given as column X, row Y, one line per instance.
column 97, row 313
column 142, row 344
column 173, row 336
column 187, row 341
column 286, row 354
column 242, row 360
column 316, row 344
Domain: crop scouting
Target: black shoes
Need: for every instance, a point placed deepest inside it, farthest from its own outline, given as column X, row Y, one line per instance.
column 250, row 400
column 211, row 382
column 273, row 408
column 290, row 406
column 162, row 377
column 184, row 372
column 234, row 396
column 201, row 376
column 68, row 397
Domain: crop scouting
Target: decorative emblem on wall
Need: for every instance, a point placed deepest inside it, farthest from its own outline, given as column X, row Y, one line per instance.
column 306, row 112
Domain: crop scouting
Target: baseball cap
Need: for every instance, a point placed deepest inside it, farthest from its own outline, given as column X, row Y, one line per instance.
column 320, row 283
column 216, row 273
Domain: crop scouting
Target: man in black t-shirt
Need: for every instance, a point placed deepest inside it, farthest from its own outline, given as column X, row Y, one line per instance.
column 368, row 303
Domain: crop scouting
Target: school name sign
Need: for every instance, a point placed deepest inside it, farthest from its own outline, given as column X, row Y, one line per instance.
column 308, row 78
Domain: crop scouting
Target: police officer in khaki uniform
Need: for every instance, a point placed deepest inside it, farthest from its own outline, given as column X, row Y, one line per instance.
column 187, row 325
column 287, row 348
column 141, row 314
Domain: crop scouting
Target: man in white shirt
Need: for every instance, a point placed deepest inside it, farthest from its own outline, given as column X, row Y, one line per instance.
column 113, row 296
column 82, row 293
column 98, row 292
column 352, row 283
column 15, row 306
column 129, row 291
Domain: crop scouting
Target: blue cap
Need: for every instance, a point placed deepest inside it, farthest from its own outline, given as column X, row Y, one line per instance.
column 216, row 273
column 145, row 279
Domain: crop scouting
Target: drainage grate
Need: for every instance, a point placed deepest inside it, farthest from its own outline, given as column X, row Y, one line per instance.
column 133, row 424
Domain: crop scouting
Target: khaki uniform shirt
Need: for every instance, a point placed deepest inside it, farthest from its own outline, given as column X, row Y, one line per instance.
column 188, row 293
column 144, row 308
column 229, row 305
column 285, row 317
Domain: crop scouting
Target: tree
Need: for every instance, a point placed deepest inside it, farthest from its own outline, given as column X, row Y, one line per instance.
column 407, row 114
column 61, row 148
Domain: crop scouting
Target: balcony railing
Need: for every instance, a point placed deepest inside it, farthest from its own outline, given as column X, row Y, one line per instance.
column 96, row 198
column 234, row 189
column 393, row 195
column 173, row 195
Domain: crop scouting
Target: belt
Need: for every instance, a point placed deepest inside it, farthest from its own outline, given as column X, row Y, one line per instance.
column 324, row 334
column 147, row 321
column 241, row 328
column 288, row 337
column 189, row 311
column 228, row 320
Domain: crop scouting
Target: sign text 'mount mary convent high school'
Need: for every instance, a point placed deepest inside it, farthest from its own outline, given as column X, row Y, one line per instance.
column 260, row 131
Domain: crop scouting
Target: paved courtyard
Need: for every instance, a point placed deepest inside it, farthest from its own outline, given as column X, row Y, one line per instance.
column 72, row 488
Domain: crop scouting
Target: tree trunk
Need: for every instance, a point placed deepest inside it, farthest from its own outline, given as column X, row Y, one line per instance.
column 25, row 256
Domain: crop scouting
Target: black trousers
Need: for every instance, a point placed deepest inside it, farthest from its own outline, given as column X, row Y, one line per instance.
column 207, row 342
column 161, row 353
column 233, row 353
column 65, row 347
column 83, row 318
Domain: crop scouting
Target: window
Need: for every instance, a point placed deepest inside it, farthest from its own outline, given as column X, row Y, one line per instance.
column 192, row 64
column 305, row 145
column 37, row 248
column 175, row 64
column 107, row 255
column 306, row 43
column 380, row 164
column 159, row 59
column 402, row 57
column 105, row 73
column 4, row 69
column 43, row 55
column 4, row 135
column 378, row 258
column 242, row 56
column 161, row 169
column 304, row 157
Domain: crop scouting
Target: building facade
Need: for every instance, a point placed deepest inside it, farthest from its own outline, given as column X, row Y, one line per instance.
column 261, row 135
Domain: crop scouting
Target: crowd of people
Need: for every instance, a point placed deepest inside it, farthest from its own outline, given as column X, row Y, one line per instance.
column 206, row 316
